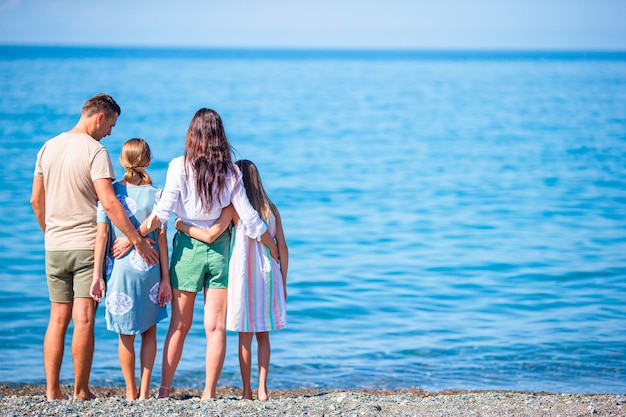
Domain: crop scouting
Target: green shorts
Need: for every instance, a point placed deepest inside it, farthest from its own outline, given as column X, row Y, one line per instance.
column 69, row 274
column 196, row 265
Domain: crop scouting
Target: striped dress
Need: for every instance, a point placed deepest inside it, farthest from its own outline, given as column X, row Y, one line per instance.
column 256, row 295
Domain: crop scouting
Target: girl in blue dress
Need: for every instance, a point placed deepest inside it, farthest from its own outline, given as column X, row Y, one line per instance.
column 136, row 293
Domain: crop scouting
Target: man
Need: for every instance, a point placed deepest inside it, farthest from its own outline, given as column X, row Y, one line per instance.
column 74, row 171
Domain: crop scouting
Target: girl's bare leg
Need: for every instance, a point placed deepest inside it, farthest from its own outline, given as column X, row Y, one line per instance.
column 263, row 347
column 126, row 351
column 215, row 328
column 148, row 353
column 245, row 362
column 182, row 316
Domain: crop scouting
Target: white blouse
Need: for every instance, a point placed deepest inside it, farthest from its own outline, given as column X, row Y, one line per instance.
column 180, row 197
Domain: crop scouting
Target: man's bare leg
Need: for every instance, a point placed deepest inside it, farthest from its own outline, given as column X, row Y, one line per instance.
column 53, row 347
column 83, row 315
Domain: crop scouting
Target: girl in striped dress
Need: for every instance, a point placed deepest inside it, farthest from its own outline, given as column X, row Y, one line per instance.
column 256, row 281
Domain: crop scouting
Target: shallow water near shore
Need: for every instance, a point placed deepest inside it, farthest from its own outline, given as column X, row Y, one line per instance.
column 454, row 220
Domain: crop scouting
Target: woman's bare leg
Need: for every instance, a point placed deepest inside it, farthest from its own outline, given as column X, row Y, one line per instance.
column 182, row 317
column 215, row 328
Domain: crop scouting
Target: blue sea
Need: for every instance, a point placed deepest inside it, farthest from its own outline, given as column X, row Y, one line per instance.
column 455, row 219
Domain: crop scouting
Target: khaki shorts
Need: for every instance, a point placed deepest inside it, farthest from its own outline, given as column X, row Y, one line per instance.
column 196, row 265
column 69, row 274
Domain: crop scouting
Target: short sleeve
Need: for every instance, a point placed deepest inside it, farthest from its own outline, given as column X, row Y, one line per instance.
column 171, row 192
column 101, row 166
column 101, row 215
column 38, row 169
column 255, row 226
column 157, row 197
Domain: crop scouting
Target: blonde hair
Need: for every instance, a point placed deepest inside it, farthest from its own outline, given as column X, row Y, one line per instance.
column 254, row 188
column 135, row 158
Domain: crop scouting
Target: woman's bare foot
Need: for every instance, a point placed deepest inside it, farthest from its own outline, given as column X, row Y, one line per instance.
column 131, row 394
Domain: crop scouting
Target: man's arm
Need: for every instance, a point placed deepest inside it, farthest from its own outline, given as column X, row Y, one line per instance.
column 98, row 285
column 38, row 201
column 117, row 214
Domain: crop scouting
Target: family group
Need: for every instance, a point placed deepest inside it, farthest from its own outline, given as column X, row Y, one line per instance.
column 106, row 241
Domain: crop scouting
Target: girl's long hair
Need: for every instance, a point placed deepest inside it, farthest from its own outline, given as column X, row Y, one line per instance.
column 135, row 158
column 208, row 155
column 254, row 188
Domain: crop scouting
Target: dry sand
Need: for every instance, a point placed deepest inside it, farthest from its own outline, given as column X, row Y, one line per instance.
column 29, row 400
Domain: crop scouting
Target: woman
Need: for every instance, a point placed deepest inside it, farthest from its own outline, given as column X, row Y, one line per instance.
column 198, row 186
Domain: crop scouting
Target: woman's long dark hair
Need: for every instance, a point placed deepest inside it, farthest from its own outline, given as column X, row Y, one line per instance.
column 208, row 154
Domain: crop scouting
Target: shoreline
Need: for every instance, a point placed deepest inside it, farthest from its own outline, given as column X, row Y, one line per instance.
column 24, row 400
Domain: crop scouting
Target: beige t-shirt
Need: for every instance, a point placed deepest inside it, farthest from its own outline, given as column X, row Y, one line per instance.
column 69, row 164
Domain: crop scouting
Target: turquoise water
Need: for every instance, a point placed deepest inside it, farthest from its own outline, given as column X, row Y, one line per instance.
column 454, row 219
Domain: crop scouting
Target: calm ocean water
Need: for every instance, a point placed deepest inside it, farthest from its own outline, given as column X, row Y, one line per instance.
column 455, row 219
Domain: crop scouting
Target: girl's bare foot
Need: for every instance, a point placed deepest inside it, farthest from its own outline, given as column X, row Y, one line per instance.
column 164, row 392
column 208, row 394
column 247, row 394
column 262, row 394
column 85, row 396
column 55, row 395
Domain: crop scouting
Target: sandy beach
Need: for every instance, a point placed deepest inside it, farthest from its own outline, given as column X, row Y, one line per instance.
column 29, row 400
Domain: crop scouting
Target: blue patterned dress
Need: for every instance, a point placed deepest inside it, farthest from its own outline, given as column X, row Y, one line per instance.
column 132, row 286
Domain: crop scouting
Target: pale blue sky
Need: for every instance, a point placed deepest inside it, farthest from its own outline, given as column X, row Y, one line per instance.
column 376, row 24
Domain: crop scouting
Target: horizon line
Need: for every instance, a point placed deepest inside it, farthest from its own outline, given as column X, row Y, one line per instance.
column 354, row 49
